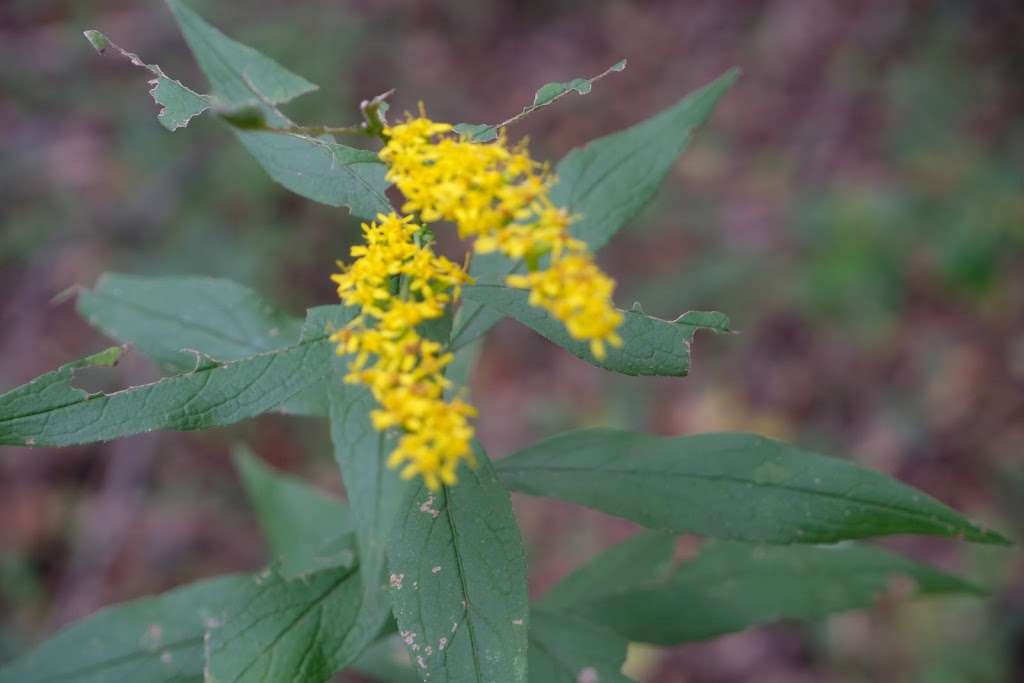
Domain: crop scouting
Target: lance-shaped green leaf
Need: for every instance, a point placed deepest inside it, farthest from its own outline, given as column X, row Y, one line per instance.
column 609, row 180
column 651, row 346
column 151, row 640
column 375, row 493
column 170, row 318
column 307, row 530
column 317, row 168
column 49, row 411
column 301, row 630
column 644, row 558
column 179, row 104
column 731, row 586
column 458, row 580
column 732, row 486
column 567, row 649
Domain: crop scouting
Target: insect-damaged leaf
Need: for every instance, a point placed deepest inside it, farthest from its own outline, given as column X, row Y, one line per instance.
column 179, row 104
column 317, row 168
column 49, row 411
column 651, row 346
column 169, row 319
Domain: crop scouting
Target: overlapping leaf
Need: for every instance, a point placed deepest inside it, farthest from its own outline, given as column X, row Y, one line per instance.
column 565, row 648
column 731, row 586
column 150, row 640
column 645, row 558
column 306, row 529
column 458, row 580
column 375, row 492
column 49, row 411
column 731, row 486
column 300, row 630
column 246, row 87
column 170, row 318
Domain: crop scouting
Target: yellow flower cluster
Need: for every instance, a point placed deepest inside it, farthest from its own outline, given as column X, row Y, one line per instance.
column 397, row 282
column 499, row 197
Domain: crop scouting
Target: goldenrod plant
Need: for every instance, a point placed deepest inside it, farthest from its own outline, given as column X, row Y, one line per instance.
column 420, row 575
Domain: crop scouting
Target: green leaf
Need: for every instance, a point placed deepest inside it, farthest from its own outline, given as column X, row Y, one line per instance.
column 306, row 529
column 609, row 180
column 317, row 168
column 386, row 660
column 49, row 411
column 322, row 170
column 150, row 640
column 280, row 630
column 731, row 586
column 477, row 132
column 179, row 104
column 233, row 69
column 651, row 346
column 567, row 649
column 458, row 580
column 473, row 319
column 375, row 492
column 644, row 558
column 169, row 319
column 732, row 486
column 549, row 92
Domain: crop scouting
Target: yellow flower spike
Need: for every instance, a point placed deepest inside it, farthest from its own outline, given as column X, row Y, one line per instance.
column 497, row 196
column 403, row 371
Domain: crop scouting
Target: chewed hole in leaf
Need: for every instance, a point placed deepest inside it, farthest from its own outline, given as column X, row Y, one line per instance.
column 107, row 378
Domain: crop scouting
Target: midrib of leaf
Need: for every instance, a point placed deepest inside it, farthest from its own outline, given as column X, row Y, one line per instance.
column 732, row 480
column 462, row 583
column 315, row 604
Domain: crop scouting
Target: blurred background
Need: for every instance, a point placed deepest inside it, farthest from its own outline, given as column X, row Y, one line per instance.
column 855, row 205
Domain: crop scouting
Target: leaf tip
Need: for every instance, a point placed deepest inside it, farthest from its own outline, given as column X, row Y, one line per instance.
column 98, row 40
